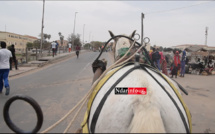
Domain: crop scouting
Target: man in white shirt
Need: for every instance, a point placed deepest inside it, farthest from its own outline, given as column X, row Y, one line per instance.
column 4, row 68
column 70, row 45
column 53, row 44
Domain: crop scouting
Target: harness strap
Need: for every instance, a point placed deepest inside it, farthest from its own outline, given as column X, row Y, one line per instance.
column 100, row 106
column 177, row 94
column 182, row 102
column 84, row 124
column 179, row 110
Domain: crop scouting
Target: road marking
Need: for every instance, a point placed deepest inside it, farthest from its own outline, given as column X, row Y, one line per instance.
column 85, row 67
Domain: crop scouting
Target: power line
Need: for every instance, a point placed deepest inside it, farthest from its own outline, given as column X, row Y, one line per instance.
column 178, row 8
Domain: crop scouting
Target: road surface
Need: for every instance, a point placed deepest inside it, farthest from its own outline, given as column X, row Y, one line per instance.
column 57, row 88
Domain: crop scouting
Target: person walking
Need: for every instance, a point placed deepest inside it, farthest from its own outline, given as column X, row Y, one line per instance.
column 156, row 58
column 70, row 46
column 77, row 50
column 13, row 59
column 164, row 66
column 5, row 56
column 57, row 45
column 183, row 60
column 176, row 64
column 161, row 59
column 53, row 45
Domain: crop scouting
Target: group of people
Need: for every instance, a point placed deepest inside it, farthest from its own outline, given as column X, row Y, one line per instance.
column 54, row 46
column 160, row 62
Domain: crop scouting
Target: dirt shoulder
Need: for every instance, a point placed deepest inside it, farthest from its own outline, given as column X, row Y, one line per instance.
column 200, row 101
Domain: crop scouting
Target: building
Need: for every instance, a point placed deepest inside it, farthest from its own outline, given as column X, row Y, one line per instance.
column 65, row 43
column 18, row 40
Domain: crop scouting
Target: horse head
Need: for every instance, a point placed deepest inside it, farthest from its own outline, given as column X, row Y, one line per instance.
column 121, row 42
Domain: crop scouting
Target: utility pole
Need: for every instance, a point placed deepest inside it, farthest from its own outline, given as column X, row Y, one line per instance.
column 142, row 17
column 83, row 34
column 5, row 33
column 206, row 35
column 73, row 41
column 41, row 42
column 89, row 36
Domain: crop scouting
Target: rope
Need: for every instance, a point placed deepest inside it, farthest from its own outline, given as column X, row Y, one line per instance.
column 76, row 114
column 59, row 121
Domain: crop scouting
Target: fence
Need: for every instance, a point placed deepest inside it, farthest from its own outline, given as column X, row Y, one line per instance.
column 34, row 54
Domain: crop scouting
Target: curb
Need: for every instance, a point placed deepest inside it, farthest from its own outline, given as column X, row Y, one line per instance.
column 47, row 62
column 22, row 72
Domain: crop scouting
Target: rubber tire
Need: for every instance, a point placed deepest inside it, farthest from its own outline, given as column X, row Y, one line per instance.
column 33, row 103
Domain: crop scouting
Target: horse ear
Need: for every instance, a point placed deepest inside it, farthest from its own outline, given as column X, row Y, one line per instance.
column 112, row 35
column 132, row 35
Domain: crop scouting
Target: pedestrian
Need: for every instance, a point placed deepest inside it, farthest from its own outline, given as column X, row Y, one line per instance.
column 161, row 59
column 5, row 56
column 210, row 67
column 77, row 50
column 205, row 60
column 53, row 45
column 156, row 58
column 183, row 60
column 57, row 45
column 164, row 65
column 176, row 64
column 150, row 54
column 70, row 45
column 13, row 59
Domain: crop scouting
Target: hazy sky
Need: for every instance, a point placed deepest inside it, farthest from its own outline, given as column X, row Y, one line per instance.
column 166, row 23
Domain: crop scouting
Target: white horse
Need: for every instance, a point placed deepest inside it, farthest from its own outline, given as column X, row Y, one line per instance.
column 155, row 112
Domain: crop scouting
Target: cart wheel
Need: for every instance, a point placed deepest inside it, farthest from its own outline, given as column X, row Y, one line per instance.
column 33, row 103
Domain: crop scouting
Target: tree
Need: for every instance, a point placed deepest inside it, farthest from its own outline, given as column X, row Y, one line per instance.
column 161, row 48
column 49, row 37
column 76, row 39
column 29, row 45
column 45, row 36
column 97, row 44
column 61, row 38
column 87, row 45
column 36, row 44
column 168, row 49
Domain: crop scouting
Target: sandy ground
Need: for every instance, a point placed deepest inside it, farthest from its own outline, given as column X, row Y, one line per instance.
column 200, row 101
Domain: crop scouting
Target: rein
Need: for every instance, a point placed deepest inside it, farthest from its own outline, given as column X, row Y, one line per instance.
column 143, row 48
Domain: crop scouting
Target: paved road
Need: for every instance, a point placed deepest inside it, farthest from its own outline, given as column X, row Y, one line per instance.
column 57, row 88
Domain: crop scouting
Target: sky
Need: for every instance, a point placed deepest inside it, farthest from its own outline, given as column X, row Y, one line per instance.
column 166, row 23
